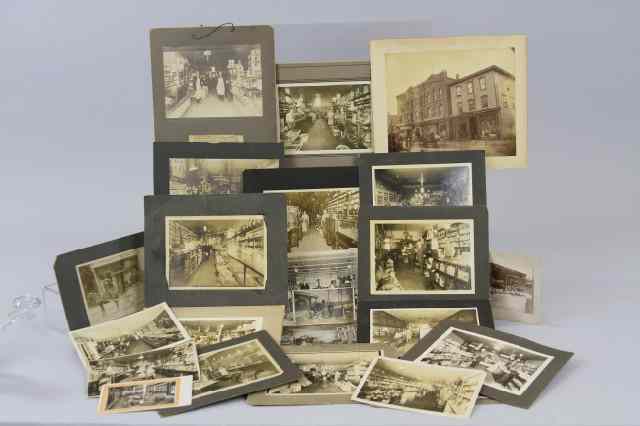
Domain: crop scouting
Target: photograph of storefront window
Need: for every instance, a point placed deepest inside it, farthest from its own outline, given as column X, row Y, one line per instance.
column 510, row 368
column 407, row 385
column 137, row 397
column 113, row 286
column 416, row 185
column 216, row 252
column 320, row 306
column 209, row 331
column 422, row 257
column 318, row 118
column 318, row 334
column 217, row 81
column 327, row 373
column 189, row 176
column 512, row 286
column 401, row 328
column 234, row 366
column 452, row 100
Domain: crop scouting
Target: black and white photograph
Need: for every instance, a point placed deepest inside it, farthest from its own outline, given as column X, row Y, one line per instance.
column 401, row 328
column 321, row 306
column 173, row 361
column 113, row 286
column 319, row 334
column 209, row 331
column 337, row 269
column 192, row 176
column 216, row 252
column 514, row 289
column 145, row 395
column 411, row 386
column 322, row 118
column 149, row 329
column 422, row 256
column 215, row 81
column 234, row 366
column 452, row 94
column 422, row 185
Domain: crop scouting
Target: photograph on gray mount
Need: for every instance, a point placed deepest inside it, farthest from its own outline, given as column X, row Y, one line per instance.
column 209, row 331
column 212, row 82
column 325, row 117
column 322, row 306
column 216, row 252
column 318, row 334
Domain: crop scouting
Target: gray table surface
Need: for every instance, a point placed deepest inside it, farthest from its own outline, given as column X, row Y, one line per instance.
column 76, row 129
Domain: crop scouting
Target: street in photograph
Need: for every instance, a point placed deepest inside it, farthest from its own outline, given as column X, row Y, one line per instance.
column 209, row 331
column 317, row 334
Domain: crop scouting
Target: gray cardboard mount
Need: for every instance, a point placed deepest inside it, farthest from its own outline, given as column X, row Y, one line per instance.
column 252, row 129
column 271, row 206
column 527, row 398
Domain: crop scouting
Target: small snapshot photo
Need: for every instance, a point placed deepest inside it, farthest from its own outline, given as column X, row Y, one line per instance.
column 320, row 306
column 402, row 328
column 422, row 256
column 216, row 252
column 324, row 118
column 406, row 385
column 234, row 366
column 212, row 82
column 209, row 331
column 514, row 288
column 145, row 395
column 319, row 334
column 510, row 368
column 113, row 286
column 422, row 185
column 195, row 176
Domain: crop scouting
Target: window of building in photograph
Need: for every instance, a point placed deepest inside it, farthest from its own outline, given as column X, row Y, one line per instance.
column 483, row 83
column 470, row 88
column 484, row 101
column 472, row 104
column 460, row 108
column 441, row 93
column 440, row 110
column 458, row 90
column 505, row 102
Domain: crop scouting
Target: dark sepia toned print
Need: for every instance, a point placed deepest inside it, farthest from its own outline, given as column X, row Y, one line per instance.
column 418, row 185
column 209, row 331
column 216, row 81
column 422, row 256
column 216, row 252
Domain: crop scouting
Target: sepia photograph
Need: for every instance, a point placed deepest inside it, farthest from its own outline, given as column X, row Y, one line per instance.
column 337, row 269
column 234, row 366
column 510, row 368
column 194, row 176
column 319, row 334
column 514, row 289
column 320, row 306
column 422, row 185
column 402, row 328
column 406, row 385
column 209, row 331
column 216, row 252
column 321, row 118
column 149, row 329
column 173, row 361
column 422, row 256
column 216, row 81
column 113, row 286
column 145, row 395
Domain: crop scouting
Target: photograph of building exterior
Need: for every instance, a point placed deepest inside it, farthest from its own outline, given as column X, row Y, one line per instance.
column 214, row 82
column 113, row 286
column 216, row 252
column 512, row 289
column 401, row 328
column 325, row 117
column 417, row 185
column 146, row 395
column 422, row 256
column 319, row 334
column 320, row 306
column 174, row 361
column 407, row 385
column 209, row 331
column 189, row 176
column 234, row 366
column 510, row 368
column 327, row 373
column 453, row 99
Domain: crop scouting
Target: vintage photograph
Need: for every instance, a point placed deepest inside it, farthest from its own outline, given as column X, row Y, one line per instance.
column 406, row 385
column 174, row 361
column 145, row 395
column 320, row 306
column 514, row 289
column 143, row 331
column 319, row 334
column 509, row 367
column 209, row 331
column 422, row 185
column 401, row 328
column 234, row 366
column 216, row 252
column 216, row 81
column 422, row 256
column 193, row 176
column 337, row 269
column 320, row 118
column 113, row 286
